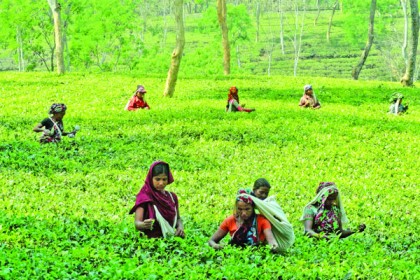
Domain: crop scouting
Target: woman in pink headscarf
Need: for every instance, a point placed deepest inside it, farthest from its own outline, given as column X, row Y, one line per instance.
column 156, row 210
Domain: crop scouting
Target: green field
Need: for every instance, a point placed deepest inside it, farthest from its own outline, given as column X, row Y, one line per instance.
column 64, row 209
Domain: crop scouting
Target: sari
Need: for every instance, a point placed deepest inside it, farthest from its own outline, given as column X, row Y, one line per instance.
column 166, row 203
column 282, row 229
column 247, row 233
column 324, row 219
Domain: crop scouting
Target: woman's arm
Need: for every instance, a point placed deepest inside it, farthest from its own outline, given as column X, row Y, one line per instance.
column 270, row 239
column 346, row 232
column 308, row 224
column 39, row 128
column 215, row 239
column 139, row 221
column 303, row 102
column 179, row 231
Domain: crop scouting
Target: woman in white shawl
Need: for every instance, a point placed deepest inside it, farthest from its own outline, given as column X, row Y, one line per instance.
column 309, row 99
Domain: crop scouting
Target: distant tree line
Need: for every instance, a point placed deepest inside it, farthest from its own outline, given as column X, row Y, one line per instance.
column 124, row 35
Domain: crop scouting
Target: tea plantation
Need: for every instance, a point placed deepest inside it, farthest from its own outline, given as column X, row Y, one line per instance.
column 64, row 208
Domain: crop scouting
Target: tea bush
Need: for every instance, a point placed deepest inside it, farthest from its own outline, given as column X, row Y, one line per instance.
column 64, row 209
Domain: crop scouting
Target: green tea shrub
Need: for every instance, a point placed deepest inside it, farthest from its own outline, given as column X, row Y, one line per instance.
column 64, row 208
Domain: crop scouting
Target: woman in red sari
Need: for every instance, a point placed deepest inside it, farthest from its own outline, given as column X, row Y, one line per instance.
column 156, row 209
column 137, row 101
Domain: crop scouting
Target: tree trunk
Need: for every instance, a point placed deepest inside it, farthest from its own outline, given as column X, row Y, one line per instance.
column 405, row 34
column 280, row 10
column 58, row 37
column 178, row 51
column 408, row 78
column 165, row 27
column 221, row 15
column 297, row 42
column 238, row 59
column 317, row 13
column 257, row 18
column 356, row 70
column 330, row 22
column 21, row 63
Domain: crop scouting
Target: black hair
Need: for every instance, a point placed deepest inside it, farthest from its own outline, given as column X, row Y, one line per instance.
column 160, row 168
column 261, row 182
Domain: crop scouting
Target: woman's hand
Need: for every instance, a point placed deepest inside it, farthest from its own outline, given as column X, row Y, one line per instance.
column 217, row 246
column 180, row 231
column 274, row 248
column 46, row 132
column 146, row 224
column 216, row 238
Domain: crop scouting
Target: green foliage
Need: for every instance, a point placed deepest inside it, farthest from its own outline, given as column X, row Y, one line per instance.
column 238, row 21
column 64, row 209
column 139, row 36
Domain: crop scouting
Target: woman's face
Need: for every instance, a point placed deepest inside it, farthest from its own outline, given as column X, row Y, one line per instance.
column 140, row 94
column 244, row 210
column 160, row 181
column 331, row 200
column 309, row 91
column 261, row 192
column 59, row 116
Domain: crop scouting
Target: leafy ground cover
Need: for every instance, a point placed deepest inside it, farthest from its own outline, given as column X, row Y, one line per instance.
column 64, row 210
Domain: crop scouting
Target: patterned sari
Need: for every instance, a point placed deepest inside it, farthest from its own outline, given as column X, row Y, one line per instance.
column 324, row 219
column 247, row 233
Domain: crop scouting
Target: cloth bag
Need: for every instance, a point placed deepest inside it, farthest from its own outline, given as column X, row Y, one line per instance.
column 282, row 229
column 167, row 229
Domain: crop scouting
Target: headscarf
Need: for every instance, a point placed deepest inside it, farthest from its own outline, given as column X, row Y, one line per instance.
column 395, row 96
column 244, row 195
column 141, row 89
column 57, row 108
column 307, row 87
column 233, row 94
column 247, row 233
column 326, row 220
column 280, row 226
column 148, row 194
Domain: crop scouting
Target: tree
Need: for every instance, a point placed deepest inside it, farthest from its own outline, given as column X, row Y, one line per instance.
column 281, row 14
column 317, row 13
column 221, row 15
column 297, row 37
column 365, row 53
column 24, row 26
column 58, row 36
column 410, row 67
column 257, row 19
column 330, row 22
column 179, row 49
column 239, row 25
